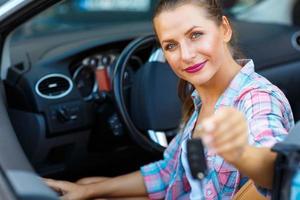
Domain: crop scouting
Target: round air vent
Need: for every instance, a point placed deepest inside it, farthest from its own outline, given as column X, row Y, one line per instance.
column 296, row 40
column 53, row 86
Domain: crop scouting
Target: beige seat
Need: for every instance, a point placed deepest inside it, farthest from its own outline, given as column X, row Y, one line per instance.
column 248, row 192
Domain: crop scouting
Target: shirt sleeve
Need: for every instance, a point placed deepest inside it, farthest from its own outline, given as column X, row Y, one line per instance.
column 269, row 119
column 157, row 175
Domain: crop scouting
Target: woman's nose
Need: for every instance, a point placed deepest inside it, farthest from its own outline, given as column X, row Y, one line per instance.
column 187, row 53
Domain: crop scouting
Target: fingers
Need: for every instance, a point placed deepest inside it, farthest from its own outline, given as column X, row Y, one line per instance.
column 59, row 186
column 51, row 183
column 234, row 145
column 230, row 131
column 224, row 131
column 67, row 190
column 54, row 183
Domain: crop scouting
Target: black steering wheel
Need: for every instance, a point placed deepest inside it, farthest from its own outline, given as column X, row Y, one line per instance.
column 118, row 79
column 156, row 72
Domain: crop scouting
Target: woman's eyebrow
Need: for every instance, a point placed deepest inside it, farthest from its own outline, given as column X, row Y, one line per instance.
column 167, row 41
column 186, row 33
column 191, row 29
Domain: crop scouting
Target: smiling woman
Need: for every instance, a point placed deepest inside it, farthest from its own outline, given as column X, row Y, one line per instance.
column 87, row 87
column 237, row 113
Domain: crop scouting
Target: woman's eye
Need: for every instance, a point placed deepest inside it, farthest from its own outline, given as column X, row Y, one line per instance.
column 196, row 35
column 169, row 47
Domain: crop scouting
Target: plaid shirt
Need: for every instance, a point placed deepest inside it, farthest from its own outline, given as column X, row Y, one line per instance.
column 269, row 119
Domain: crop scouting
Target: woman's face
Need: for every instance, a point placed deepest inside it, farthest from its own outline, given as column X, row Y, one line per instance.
column 193, row 44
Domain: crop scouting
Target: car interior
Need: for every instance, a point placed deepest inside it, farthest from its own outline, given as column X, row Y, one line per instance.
column 101, row 100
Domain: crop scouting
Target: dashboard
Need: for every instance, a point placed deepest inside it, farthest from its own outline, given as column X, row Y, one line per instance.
column 68, row 103
column 93, row 73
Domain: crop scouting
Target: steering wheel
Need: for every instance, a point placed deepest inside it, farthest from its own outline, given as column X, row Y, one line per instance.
column 138, row 135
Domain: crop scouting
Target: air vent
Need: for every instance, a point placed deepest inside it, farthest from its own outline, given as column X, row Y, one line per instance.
column 296, row 40
column 54, row 86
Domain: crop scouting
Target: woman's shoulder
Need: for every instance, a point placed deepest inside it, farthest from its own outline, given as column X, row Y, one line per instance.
column 261, row 93
column 260, row 86
column 251, row 81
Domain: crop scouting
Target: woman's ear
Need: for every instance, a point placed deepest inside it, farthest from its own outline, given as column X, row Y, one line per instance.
column 227, row 30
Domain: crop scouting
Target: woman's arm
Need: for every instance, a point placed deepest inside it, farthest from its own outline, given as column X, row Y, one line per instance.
column 129, row 185
column 258, row 164
column 226, row 133
column 269, row 118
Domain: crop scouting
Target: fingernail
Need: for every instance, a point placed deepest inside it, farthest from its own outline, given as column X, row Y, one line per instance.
column 213, row 151
column 207, row 139
column 199, row 127
column 208, row 126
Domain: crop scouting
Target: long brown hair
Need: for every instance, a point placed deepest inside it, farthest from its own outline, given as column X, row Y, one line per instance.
column 215, row 13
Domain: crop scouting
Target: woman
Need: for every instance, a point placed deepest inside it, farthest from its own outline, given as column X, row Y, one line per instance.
column 240, row 114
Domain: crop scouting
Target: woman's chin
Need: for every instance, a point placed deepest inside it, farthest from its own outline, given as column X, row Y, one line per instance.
column 197, row 81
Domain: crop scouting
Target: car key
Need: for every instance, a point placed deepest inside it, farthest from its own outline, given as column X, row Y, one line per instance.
column 196, row 158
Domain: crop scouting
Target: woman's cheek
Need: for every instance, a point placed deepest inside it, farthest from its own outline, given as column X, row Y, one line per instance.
column 174, row 63
column 177, row 71
column 209, row 44
column 208, row 48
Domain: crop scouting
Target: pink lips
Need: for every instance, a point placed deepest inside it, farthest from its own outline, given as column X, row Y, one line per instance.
column 195, row 68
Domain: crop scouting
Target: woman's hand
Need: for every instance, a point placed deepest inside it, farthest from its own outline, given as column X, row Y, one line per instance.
column 129, row 185
column 67, row 190
column 225, row 133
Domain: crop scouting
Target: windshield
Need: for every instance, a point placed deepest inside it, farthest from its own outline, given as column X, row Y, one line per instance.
column 268, row 11
column 2, row 2
column 76, row 15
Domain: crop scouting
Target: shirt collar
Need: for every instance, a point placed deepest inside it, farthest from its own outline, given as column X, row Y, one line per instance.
column 196, row 99
column 234, row 87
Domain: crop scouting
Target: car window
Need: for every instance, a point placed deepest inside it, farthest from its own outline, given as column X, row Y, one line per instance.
column 270, row 11
column 74, row 15
column 2, row 2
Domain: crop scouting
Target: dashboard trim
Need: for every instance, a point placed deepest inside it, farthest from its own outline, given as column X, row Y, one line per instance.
column 95, row 85
column 56, row 96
